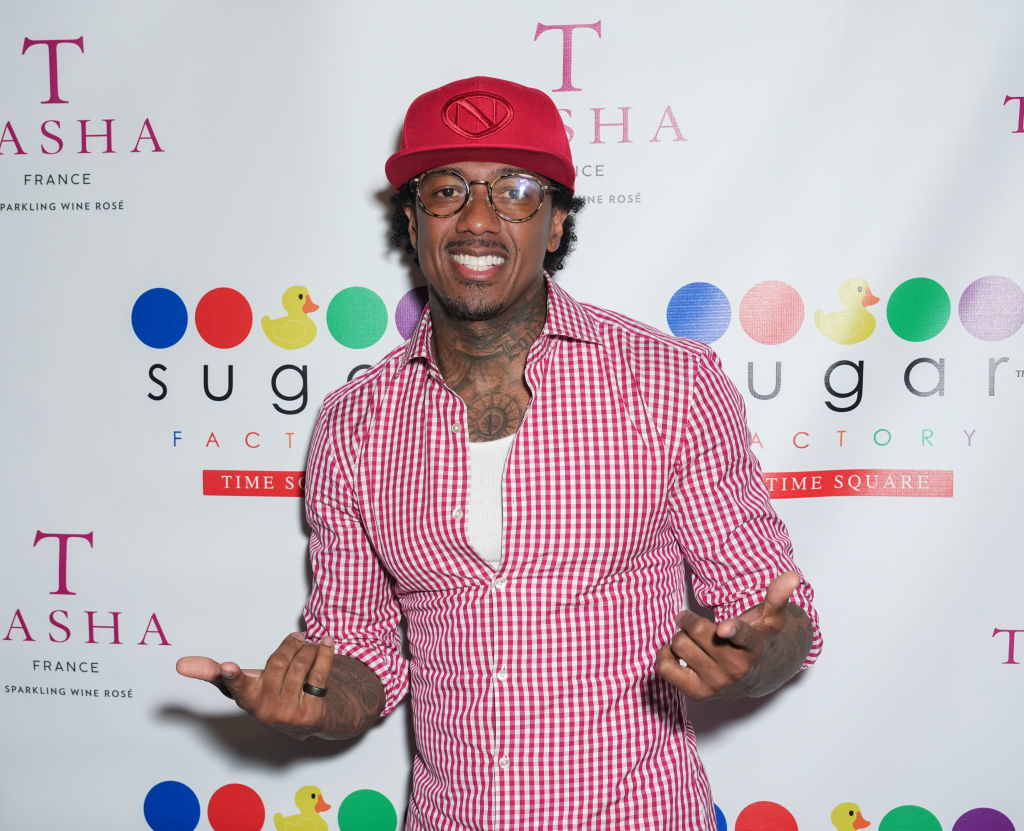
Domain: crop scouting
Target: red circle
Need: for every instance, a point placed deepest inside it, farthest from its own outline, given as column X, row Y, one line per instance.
column 236, row 808
column 765, row 816
column 223, row 318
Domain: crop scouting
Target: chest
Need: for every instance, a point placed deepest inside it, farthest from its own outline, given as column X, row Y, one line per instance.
column 585, row 485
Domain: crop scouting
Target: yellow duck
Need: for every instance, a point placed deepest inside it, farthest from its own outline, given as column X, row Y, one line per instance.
column 847, row 817
column 854, row 322
column 295, row 329
column 310, row 803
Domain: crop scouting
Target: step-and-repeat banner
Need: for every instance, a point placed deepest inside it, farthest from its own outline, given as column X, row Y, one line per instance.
column 193, row 216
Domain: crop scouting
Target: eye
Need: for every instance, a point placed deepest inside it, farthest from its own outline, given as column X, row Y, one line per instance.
column 301, row 296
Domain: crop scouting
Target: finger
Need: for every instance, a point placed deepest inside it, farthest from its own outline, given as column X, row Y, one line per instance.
column 741, row 635
column 198, row 667
column 280, row 662
column 298, row 672
column 239, row 684
column 683, row 677
column 700, row 630
column 781, row 589
column 320, row 672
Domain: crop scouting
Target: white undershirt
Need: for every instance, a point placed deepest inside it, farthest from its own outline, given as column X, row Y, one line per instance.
column 487, row 462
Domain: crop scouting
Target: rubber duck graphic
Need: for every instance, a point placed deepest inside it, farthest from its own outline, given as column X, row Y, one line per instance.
column 853, row 323
column 295, row 329
column 846, row 816
column 310, row 803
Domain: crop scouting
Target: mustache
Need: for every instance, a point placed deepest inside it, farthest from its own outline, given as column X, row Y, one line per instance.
column 476, row 245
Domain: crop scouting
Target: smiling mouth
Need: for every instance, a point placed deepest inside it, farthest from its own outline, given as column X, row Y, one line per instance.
column 481, row 264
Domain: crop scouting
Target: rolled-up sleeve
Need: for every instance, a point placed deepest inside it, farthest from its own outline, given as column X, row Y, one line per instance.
column 735, row 542
column 352, row 596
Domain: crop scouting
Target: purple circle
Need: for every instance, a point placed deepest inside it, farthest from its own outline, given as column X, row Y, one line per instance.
column 992, row 308
column 409, row 309
column 983, row 819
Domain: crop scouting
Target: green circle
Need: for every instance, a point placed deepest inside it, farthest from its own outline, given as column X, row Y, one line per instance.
column 357, row 317
column 367, row 810
column 909, row 818
column 918, row 310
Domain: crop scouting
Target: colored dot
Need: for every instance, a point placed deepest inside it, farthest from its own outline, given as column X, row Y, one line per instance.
column 983, row 819
column 918, row 309
column 367, row 810
column 159, row 318
column 720, row 823
column 409, row 309
column 992, row 308
column 236, row 808
column 357, row 317
column 171, row 806
column 699, row 311
column 909, row 818
column 765, row 816
column 223, row 318
column 771, row 312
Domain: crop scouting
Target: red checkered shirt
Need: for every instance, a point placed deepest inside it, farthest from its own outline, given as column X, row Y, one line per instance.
column 535, row 700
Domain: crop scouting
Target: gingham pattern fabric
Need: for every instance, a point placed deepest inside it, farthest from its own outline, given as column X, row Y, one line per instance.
column 534, row 695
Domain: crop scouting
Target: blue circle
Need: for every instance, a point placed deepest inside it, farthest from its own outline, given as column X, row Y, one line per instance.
column 720, row 823
column 171, row 806
column 699, row 311
column 159, row 318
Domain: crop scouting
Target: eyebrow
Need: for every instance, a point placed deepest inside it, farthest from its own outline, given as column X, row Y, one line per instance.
column 505, row 171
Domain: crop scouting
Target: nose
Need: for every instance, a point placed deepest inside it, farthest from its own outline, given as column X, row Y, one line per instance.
column 477, row 216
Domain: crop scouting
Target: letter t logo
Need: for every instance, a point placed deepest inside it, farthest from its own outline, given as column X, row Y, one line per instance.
column 51, row 46
column 567, row 35
column 62, row 556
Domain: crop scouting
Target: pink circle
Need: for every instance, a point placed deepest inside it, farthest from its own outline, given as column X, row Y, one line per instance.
column 771, row 312
column 236, row 808
column 223, row 318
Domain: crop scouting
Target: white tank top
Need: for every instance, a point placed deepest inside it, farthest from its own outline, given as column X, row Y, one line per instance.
column 484, row 519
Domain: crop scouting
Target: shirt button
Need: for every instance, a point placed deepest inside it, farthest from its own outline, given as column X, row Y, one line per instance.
column 501, row 674
column 457, row 513
column 456, row 427
column 499, row 582
column 504, row 762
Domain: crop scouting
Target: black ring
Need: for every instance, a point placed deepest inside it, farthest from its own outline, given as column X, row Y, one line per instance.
column 309, row 689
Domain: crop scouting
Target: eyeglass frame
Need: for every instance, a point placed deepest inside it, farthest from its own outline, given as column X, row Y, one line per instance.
column 415, row 181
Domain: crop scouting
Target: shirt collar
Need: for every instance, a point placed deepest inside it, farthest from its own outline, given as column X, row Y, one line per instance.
column 566, row 318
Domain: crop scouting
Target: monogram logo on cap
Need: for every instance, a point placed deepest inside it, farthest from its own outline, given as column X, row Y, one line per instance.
column 476, row 114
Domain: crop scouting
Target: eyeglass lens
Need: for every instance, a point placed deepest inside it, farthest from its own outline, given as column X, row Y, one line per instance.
column 514, row 197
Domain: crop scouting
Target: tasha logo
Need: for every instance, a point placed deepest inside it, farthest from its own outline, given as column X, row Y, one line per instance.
column 47, row 62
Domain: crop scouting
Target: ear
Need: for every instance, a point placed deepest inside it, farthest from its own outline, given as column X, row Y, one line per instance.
column 558, row 216
column 410, row 211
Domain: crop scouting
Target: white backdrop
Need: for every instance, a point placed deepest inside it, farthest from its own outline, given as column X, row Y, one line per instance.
column 742, row 162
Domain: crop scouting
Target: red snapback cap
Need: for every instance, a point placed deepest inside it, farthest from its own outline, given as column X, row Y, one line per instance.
column 483, row 120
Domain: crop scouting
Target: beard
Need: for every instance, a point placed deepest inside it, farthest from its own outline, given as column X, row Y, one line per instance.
column 464, row 310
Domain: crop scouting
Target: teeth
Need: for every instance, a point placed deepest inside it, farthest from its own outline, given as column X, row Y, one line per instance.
column 478, row 263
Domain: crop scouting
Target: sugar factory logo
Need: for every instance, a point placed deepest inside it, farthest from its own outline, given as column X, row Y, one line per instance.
column 77, row 625
column 355, row 317
column 990, row 309
column 477, row 114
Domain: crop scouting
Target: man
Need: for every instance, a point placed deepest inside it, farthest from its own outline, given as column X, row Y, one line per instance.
column 522, row 482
